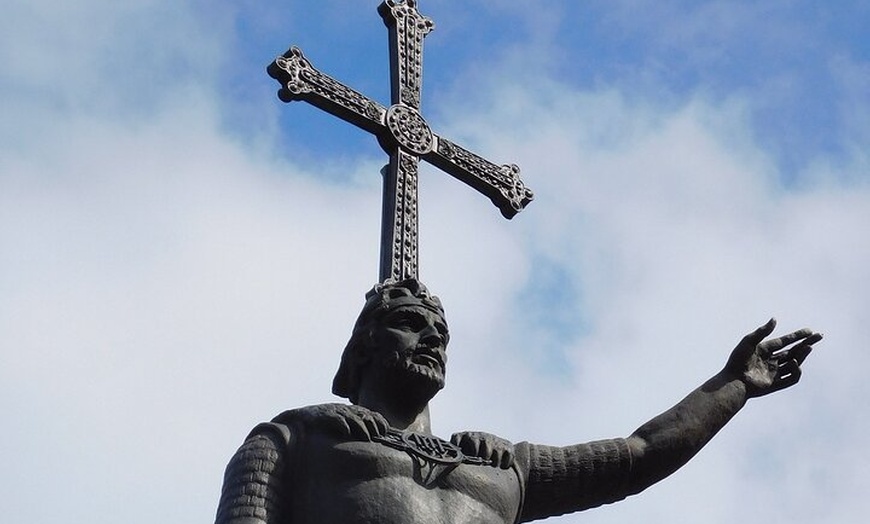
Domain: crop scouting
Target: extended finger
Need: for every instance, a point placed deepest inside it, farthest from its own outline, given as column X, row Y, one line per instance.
column 506, row 459
column 789, row 375
column 800, row 352
column 383, row 426
column 501, row 458
column 358, row 428
column 468, row 444
column 813, row 338
column 776, row 344
column 373, row 428
column 473, row 446
column 338, row 424
column 486, row 450
column 754, row 338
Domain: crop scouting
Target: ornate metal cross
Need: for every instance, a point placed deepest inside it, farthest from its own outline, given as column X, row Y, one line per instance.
column 403, row 134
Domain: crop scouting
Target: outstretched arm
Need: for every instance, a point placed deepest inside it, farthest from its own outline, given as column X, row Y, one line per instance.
column 755, row 368
column 572, row 478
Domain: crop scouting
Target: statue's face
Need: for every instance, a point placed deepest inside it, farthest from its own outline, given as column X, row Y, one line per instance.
column 412, row 341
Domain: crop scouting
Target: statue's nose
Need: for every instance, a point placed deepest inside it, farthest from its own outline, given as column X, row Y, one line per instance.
column 431, row 335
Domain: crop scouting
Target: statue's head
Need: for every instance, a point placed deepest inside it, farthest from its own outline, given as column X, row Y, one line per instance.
column 401, row 327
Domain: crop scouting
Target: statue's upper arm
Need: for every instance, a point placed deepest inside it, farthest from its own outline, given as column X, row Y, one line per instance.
column 563, row 480
column 254, row 478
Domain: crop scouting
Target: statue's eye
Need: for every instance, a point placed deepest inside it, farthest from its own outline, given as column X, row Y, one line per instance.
column 409, row 320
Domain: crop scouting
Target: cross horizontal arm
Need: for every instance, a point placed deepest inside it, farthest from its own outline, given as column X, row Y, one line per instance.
column 502, row 184
column 399, row 127
column 301, row 81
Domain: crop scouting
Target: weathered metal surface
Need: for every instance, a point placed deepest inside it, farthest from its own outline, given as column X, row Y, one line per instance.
column 403, row 133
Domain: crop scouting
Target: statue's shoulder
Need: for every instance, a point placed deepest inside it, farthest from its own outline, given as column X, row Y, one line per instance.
column 342, row 421
column 317, row 412
column 289, row 426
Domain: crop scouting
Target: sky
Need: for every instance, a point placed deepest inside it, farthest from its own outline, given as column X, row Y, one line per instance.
column 182, row 255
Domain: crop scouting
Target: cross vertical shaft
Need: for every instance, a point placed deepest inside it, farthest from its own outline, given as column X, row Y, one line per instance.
column 399, row 227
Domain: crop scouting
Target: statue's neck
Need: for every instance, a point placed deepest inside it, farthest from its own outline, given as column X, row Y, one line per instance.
column 412, row 418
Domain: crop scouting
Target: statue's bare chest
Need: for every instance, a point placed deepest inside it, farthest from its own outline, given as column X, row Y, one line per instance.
column 369, row 482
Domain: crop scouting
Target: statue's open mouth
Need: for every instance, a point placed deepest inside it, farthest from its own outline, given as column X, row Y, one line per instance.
column 428, row 356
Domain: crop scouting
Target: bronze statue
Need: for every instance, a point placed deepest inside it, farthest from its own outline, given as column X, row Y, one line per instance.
column 376, row 461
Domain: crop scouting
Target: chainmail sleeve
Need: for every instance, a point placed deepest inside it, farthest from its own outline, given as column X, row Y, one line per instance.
column 253, row 482
column 563, row 480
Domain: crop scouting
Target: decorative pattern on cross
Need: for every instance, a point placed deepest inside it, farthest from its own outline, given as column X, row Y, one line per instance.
column 403, row 133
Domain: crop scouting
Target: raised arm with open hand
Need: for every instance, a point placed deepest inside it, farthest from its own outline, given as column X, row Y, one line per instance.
column 573, row 478
column 756, row 367
column 766, row 366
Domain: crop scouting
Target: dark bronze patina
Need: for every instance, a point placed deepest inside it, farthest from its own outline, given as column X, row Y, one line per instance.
column 403, row 133
column 376, row 460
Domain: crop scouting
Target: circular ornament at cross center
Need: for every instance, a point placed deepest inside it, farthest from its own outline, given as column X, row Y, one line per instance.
column 409, row 129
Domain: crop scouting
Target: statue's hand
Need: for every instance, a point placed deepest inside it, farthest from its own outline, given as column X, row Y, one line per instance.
column 766, row 366
column 498, row 451
column 342, row 420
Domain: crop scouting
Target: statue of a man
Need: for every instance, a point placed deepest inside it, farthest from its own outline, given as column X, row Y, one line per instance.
column 376, row 460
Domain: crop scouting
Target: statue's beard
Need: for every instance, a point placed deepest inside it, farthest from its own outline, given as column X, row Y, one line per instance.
column 415, row 377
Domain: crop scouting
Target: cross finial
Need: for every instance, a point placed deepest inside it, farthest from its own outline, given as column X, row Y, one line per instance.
column 403, row 133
